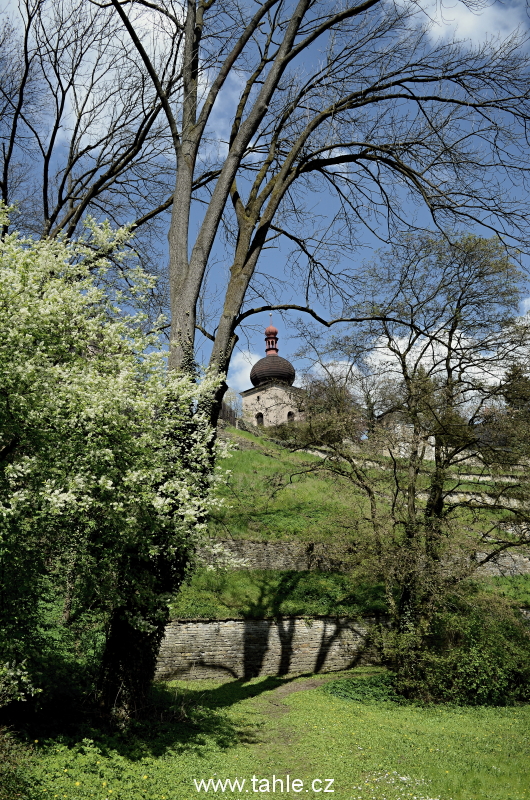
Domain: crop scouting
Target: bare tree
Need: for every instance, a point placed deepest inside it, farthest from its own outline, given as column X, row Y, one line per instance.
column 441, row 475
column 81, row 130
column 355, row 102
column 295, row 122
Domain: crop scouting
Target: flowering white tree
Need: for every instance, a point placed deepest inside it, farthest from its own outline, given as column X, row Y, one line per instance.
column 104, row 465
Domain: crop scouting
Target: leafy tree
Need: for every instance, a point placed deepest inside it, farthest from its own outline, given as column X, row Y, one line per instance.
column 102, row 463
column 516, row 389
column 439, row 492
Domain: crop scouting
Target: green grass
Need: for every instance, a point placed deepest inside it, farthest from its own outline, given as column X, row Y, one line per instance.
column 259, row 594
column 270, row 495
column 272, row 593
column 373, row 750
column 516, row 589
column 263, row 502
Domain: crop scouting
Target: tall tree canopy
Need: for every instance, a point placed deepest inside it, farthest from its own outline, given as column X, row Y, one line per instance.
column 300, row 121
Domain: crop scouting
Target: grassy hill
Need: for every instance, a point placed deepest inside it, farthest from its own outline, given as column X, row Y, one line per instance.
column 271, row 496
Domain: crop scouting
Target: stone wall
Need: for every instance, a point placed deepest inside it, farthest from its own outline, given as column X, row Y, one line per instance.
column 247, row 648
column 273, row 400
column 508, row 565
column 298, row 556
column 295, row 556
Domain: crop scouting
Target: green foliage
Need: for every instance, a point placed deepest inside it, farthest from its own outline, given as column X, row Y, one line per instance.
column 516, row 388
column 515, row 589
column 66, row 658
column 371, row 689
column 270, row 593
column 477, row 652
column 15, row 760
column 105, row 469
column 15, row 683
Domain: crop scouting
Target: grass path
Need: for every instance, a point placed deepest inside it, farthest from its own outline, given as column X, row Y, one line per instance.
column 387, row 751
column 285, row 727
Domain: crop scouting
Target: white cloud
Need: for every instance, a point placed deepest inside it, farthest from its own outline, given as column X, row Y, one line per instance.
column 215, row 144
column 453, row 17
column 337, row 369
column 524, row 305
column 239, row 372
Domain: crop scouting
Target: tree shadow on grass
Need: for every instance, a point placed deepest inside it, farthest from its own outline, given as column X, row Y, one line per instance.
column 179, row 720
column 232, row 692
column 203, row 717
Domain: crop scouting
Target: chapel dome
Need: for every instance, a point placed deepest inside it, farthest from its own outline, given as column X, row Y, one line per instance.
column 272, row 368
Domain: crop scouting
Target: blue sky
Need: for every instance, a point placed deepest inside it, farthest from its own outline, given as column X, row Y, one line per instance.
column 495, row 19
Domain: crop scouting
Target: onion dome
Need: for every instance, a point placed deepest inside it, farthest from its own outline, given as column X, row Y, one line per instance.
column 273, row 367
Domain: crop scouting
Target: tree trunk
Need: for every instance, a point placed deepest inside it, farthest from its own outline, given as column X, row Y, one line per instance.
column 129, row 662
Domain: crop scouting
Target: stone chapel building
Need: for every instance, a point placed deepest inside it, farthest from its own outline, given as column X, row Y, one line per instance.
column 273, row 400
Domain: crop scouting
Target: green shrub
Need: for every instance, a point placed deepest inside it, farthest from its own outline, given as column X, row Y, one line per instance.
column 477, row 652
column 15, row 683
column 14, row 760
column 372, row 689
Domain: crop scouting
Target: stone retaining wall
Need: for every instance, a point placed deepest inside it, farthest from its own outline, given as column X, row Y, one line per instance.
column 508, row 565
column 295, row 556
column 299, row 556
column 247, row 648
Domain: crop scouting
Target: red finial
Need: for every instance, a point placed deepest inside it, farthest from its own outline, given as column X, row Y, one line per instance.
column 271, row 339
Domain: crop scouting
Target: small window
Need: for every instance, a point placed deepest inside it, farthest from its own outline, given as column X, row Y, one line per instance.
column 258, row 398
column 259, row 419
column 290, row 416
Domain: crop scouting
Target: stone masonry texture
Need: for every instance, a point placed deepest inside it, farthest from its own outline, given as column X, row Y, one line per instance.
column 247, row 648
column 265, row 555
column 298, row 556
column 230, row 649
